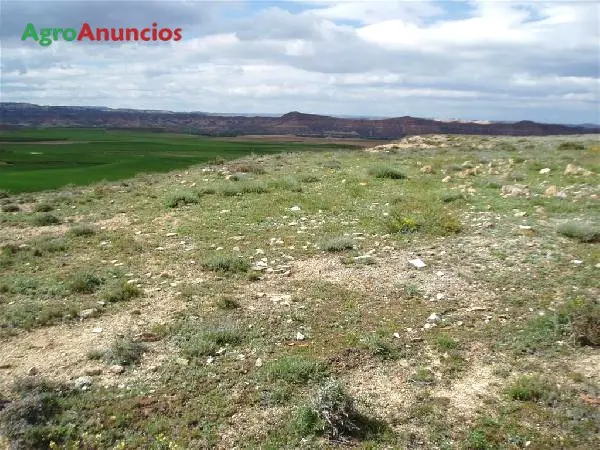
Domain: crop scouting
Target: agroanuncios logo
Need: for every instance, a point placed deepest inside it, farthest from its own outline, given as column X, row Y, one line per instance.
column 46, row 36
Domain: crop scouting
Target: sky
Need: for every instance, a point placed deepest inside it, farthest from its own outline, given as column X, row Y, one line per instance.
column 470, row 60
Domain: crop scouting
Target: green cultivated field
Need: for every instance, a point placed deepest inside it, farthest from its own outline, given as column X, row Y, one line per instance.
column 35, row 160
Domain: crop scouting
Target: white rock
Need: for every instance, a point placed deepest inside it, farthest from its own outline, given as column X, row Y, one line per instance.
column 209, row 360
column 300, row 336
column 97, row 330
column 439, row 296
column 446, row 179
column 433, row 318
column 258, row 362
column 397, row 335
column 295, row 208
column 545, row 170
column 117, row 368
column 577, row 261
column 418, row 263
column 83, row 383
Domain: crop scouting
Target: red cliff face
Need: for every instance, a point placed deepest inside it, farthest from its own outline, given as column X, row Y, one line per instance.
column 18, row 114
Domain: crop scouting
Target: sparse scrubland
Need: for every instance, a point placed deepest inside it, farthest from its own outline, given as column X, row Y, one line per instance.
column 270, row 302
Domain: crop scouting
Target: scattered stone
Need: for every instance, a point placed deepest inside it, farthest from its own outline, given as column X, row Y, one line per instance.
column 515, row 190
column 32, row 371
column 439, row 296
column 397, row 335
column 572, row 169
column 446, row 179
column 418, row 263
column 545, row 170
column 428, row 326
column 210, row 360
column 295, row 208
column 97, row 330
column 258, row 362
column 577, row 261
column 87, row 313
column 427, row 169
column 171, row 234
column 117, row 368
column 300, row 336
column 433, row 318
column 551, row 191
column 95, row 371
column 182, row 361
column 83, row 383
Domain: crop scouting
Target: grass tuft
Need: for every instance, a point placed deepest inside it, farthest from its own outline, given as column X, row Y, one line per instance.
column 226, row 264
column 82, row 229
column 125, row 352
column 44, row 219
column 337, row 244
column 294, row 369
column 181, row 198
column 581, row 231
column 121, row 292
column 387, row 172
column 84, row 283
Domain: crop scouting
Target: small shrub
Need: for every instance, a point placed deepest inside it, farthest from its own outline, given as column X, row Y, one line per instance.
column 336, row 410
column 286, row 184
column 423, row 376
column 84, row 283
column 569, row 145
column 176, row 199
column 243, row 187
column 450, row 197
column 44, row 219
column 43, row 207
column 240, row 176
column 49, row 245
column 11, row 207
column 293, row 369
column 380, row 346
column 306, row 421
column 411, row 291
column 581, row 231
column 249, row 168
column 528, row 389
column 584, row 317
column 445, row 342
column 404, row 225
column 196, row 342
column 228, row 264
column 332, row 164
column 82, row 229
column 387, row 172
column 122, row 292
column 337, row 244
column 254, row 275
column 309, row 179
column 477, row 441
column 4, row 194
column 24, row 419
column 228, row 303
column 125, row 351
column 95, row 355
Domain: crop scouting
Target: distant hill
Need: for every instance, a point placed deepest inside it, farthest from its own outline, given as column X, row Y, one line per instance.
column 294, row 123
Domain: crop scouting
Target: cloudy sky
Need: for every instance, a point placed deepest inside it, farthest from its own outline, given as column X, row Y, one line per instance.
column 498, row 60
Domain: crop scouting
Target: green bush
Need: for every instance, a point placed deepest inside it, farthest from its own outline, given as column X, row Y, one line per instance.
column 44, row 219
column 122, row 292
column 337, row 244
column 387, row 172
column 581, row 231
column 294, row 369
column 84, row 283
column 11, row 207
column 125, row 352
column 180, row 198
column 226, row 263
column 43, row 207
column 82, row 229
